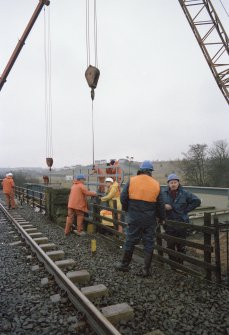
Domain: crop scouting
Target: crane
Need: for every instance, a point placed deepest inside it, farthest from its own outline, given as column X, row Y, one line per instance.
column 212, row 39
column 205, row 24
column 21, row 42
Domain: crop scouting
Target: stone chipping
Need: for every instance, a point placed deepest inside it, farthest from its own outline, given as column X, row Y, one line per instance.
column 167, row 302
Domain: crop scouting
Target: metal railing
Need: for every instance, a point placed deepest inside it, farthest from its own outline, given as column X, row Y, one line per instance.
column 203, row 257
column 35, row 199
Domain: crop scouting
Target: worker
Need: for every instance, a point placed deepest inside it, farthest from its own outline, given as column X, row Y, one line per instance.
column 46, row 180
column 77, row 204
column 142, row 200
column 178, row 203
column 8, row 189
column 101, row 178
column 113, row 193
column 114, row 171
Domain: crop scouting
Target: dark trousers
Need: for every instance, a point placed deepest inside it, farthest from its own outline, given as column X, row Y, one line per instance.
column 138, row 231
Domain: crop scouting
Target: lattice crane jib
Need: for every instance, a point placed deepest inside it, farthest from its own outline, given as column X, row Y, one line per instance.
column 212, row 38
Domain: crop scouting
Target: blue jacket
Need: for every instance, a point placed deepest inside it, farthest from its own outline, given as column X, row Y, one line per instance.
column 183, row 203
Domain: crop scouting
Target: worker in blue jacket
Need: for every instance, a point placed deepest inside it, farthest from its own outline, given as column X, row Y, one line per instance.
column 141, row 199
column 178, row 203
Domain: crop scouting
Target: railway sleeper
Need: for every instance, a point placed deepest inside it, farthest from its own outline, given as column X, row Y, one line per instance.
column 118, row 312
column 56, row 255
column 47, row 246
column 34, row 235
column 81, row 276
column 40, row 240
column 95, row 291
column 65, row 263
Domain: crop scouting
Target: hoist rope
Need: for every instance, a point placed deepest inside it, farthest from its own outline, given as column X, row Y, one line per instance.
column 224, row 7
column 88, row 50
column 93, row 134
column 88, row 32
column 88, row 44
column 48, row 85
column 95, row 34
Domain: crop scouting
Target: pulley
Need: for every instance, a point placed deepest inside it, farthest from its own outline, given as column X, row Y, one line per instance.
column 92, row 76
column 49, row 162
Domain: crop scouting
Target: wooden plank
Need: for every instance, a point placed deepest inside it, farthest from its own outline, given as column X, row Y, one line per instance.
column 217, row 250
column 185, row 242
column 192, row 260
column 207, row 240
column 189, row 226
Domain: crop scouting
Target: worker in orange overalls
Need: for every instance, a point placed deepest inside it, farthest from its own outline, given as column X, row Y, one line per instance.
column 77, row 204
column 114, row 171
column 99, row 171
column 8, row 189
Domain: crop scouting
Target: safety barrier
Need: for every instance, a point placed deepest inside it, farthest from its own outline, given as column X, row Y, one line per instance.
column 202, row 256
column 36, row 199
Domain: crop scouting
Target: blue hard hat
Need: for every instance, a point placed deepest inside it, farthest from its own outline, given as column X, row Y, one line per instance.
column 80, row 176
column 173, row 176
column 146, row 165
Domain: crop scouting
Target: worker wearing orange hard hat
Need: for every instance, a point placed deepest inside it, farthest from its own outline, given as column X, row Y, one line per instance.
column 8, row 189
column 77, row 204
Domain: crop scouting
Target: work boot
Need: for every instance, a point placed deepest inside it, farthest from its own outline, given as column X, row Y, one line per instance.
column 147, row 260
column 124, row 264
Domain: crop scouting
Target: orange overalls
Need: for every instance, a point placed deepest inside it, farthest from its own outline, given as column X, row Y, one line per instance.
column 8, row 190
column 77, row 204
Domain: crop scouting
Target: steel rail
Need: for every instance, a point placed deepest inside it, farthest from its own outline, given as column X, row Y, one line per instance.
column 94, row 317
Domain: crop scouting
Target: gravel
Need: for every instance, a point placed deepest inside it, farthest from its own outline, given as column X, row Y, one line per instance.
column 166, row 301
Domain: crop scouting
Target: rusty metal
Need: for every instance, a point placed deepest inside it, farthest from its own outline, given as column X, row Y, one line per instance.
column 92, row 76
column 49, row 162
column 212, row 39
column 21, row 41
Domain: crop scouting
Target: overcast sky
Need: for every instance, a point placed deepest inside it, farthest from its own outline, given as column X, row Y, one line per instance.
column 156, row 94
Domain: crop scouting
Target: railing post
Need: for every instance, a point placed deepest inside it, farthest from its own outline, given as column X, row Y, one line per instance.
column 207, row 240
column 159, row 239
column 115, row 214
column 33, row 199
column 217, row 250
column 27, row 196
column 40, row 195
column 96, row 210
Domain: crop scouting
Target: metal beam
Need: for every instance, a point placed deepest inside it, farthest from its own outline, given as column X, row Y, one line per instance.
column 212, row 39
column 21, row 41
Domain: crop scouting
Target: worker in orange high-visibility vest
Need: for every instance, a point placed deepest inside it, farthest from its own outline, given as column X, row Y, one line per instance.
column 77, row 204
column 142, row 200
column 8, row 189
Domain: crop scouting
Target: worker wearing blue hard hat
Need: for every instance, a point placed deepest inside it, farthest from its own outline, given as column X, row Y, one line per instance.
column 77, row 204
column 178, row 203
column 141, row 199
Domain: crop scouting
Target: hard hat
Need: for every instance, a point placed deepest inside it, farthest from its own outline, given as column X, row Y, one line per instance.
column 146, row 165
column 80, row 177
column 10, row 174
column 173, row 176
column 110, row 180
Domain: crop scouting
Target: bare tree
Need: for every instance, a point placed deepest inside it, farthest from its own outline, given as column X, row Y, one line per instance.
column 218, row 165
column 194, row 165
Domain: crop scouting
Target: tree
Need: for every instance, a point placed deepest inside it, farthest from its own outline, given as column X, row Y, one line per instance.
column 218, row 164
column 194, row 165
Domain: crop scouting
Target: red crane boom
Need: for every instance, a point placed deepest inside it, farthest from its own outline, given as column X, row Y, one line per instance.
column 21, row 42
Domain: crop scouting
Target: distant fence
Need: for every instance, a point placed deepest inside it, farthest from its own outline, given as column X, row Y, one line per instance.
column 35, row 199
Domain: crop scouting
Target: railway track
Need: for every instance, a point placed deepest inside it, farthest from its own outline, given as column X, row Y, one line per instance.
column 53, row 262
column 166, row 302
